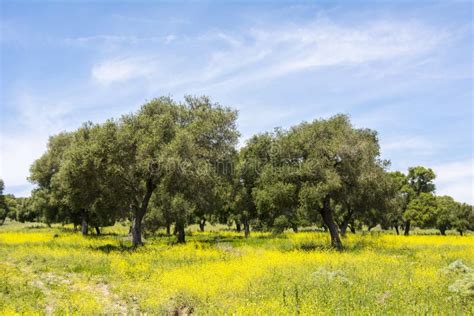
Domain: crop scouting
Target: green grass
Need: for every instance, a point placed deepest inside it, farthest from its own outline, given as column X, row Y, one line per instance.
column 57, row 271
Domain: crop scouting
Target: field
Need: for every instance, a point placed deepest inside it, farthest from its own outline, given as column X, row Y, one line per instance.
column 57, row 271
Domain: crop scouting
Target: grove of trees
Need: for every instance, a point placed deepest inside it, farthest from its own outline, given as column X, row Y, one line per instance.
column 172, row 164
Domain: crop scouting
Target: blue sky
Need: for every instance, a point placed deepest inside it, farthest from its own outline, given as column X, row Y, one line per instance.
column 403, row 68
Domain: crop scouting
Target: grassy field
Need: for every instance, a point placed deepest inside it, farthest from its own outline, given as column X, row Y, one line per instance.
column 56, row 271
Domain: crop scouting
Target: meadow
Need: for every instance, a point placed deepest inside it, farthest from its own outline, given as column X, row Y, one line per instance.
column 58, row 271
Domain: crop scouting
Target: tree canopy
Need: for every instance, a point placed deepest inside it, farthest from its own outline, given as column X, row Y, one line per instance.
column 172, row 164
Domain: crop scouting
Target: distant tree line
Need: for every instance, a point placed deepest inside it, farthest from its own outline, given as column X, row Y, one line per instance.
column 172, row 164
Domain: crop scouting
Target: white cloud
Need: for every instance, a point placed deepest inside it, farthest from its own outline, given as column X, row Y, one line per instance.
column 271, row 51
column 115, row 70
column 169, row 38
column 415, row 144
column 117, row 41
column 275, row 51
column 23, row 141
column 17, row 154
column 456, row 179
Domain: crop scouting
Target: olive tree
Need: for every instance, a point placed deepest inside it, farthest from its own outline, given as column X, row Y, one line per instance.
column 445, row 212
column 324, row 159
column 173, row 145
column 252, row 158
column 45, row 197
column 420, row 180
column 422, row 210
column 463, row 218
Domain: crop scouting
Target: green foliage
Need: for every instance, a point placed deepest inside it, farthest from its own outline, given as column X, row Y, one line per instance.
column 176, row 163
column 25, row 211
column 421, row 179
column 463, row 218
column 400, row 199
column 422, row 210
column 280, row 224
column 11, row 205
column 275, row 201
column 47, row 200
column 445, row 213
column 252, row 158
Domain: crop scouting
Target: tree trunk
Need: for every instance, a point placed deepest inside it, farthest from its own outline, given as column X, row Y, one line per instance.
column 84, row 227
column 137, row 228
column 246, row 227
column 180, row 234
column 352, row 228
column 460, row 232
column 345, row 223
column 295, row 228
column 202, row 224
column 97, row 230
column 140, row 213
column 407, row 228
column 168, row 229
column 442, row 231
column 344, row 229
column 396, row 229
column 328, row 219
column 238, row 226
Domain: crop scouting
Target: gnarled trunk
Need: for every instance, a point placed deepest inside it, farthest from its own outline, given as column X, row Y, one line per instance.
column 328, row 219
column 84, row 226
column 202, row 224
column 352, row 228
column 442, row 230
column 136, row 228
column 97, row 230
column 396, row 229
column 180, row 234
column 238, row 226
column 246, row 227
column 345, row 223
column 407, row 228
column 344, row 229
column 140, row 213
column 295, row 228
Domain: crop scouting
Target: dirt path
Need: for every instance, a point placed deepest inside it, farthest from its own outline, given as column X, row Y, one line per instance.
column 53, row 285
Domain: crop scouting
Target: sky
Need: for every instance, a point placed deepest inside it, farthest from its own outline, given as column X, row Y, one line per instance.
column 403, row 68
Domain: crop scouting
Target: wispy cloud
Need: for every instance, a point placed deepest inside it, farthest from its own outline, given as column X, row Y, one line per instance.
column 326, row 43
column 117, row 41
column 23, row 141
column 114, row 70
column 271, row 51
column 411, row 143
column 17, row 154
